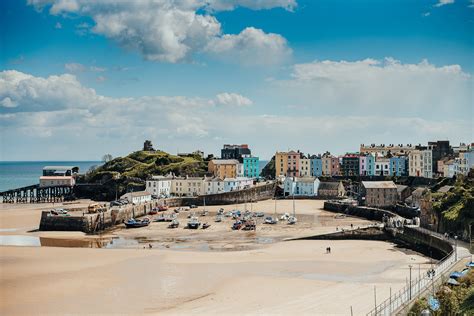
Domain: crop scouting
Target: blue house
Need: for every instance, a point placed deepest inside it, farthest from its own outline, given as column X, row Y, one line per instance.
column 398, row 166
column 316, row 166
column 251, row 166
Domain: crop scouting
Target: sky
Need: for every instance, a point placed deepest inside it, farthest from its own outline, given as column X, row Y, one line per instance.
column 80, row 78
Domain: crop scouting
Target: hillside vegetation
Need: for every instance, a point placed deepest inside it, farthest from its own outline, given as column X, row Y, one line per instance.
column 125, row 174
column 455, row 209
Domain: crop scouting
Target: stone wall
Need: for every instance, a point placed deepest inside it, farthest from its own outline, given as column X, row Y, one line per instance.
column 61, row 223
column 369, row 213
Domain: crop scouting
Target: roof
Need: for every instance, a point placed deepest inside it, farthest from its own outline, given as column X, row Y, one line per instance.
column 445, row 188
column 379, row 185
column 419, row 191
column 224, row 161
column 136, row 194
column 329, row 185
column 59, row 167
column 55, row 177
column 401, row 187
column 159, row 178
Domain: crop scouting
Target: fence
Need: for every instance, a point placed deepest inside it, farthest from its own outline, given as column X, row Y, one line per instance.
column 403, row 297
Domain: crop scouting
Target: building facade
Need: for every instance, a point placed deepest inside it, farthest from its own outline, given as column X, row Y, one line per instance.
column 350, row 165
column 287, row 164
column 159, row 185
column 379, row 193
column 251, row 168
column 223, row 168
column 235, row 151
column 301, row 186
column 382, row 167
column 137, row 197
column 398, row 166
column 305, row 167
column 420, row 163
column 316, row 166
column 367, row 165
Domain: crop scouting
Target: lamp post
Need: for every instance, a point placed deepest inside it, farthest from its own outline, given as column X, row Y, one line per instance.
column 456, row 248
column 410, row 266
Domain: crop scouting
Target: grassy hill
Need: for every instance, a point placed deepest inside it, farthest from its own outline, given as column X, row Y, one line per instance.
column 124, row 174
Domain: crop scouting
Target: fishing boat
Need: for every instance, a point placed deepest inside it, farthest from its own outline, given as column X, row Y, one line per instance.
column 206, row 225
column 250, row 225
column 174, row 224
column 194, row 223
column 218, row 219
column 220, row 211
column 153, row 211
column 160, row 218
column 162, row 208
column 134, row 223
column 285, row 217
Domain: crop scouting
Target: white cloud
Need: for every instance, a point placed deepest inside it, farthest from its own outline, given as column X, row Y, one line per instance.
column 175, row 31
column 74, row 67
column 443, row 2
column 377, row 87
column 250, row 47
column 226, row 5
column 232, row 99
column 77, row 67
column 60, row 112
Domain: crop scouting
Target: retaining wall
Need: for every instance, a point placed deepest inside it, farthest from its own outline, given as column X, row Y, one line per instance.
column 370, row 213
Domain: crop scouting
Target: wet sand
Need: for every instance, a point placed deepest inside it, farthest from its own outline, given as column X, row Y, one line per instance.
column 275, row 277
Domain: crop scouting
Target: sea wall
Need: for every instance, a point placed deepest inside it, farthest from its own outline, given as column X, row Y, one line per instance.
column 61, row 223
column 369, row 213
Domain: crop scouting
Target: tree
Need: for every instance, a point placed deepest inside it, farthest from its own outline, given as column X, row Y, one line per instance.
column 148, row 146
column 106, row 158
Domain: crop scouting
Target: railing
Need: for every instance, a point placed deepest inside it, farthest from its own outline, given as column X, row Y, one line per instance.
column 417, row 287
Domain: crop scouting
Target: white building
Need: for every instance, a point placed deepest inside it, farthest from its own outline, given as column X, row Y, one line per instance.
column 159, row 185
column 235, row 184
column 188, row 186
column 58, row 176
column 240, row 170
column 465, row 162
column 214, row 186
column 420, row 163
column 449, row 169
column 305, row 167
column 304, row 186
column 382, row 167
column 137, row 197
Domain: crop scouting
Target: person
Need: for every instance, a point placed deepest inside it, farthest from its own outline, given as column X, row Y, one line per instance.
column 329, row 249
column 352, row 226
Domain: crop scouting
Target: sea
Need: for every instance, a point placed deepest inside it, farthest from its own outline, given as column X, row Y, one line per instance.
column 17, row 174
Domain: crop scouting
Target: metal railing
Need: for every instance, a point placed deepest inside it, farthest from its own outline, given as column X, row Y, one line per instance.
column 416, row 288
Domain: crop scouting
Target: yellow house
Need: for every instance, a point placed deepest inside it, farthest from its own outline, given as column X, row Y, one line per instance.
column 281, row 164
column 223, row 168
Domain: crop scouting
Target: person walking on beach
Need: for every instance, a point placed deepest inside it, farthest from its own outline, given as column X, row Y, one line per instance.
column 329, row 249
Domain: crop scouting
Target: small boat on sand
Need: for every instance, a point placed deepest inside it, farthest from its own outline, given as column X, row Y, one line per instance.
column 136, row 223
column 206, row 225
column 271, row 220
column 237, row 225
column 218, row 219
column 193, row 223
column 174, row 224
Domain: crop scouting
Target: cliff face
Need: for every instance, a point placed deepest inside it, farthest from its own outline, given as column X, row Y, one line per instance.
column 268, row 171
column 124, row 174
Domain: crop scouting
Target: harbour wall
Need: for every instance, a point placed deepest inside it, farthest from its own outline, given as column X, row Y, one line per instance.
column 93, row 223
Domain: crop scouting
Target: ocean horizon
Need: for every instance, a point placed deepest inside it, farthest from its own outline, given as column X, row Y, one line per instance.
column 17, row 174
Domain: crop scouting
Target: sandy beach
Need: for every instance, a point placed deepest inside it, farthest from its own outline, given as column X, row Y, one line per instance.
column 232, row 274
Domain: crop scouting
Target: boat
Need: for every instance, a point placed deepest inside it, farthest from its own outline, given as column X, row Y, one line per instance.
column 174, row 224
column 218, row 219
column 220, row 211
column 206, row 225
column 134, row 223
column 250, row 225
column 160, row 218
column 292, row 219
column 259, row 214
column 237, row 225
column 285, row 217
column 270, row 220
column 162, row 208
column 153, row 211
column 228, row 214
column 194, row 223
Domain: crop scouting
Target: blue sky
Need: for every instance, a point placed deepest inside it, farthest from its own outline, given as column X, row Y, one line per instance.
column 313, row 75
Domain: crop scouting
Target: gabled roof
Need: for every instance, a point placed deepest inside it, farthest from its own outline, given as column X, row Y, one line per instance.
column 224, row 161
column 401, row 187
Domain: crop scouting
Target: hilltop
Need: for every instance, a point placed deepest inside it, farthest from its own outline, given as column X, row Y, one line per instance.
column 124, row 174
